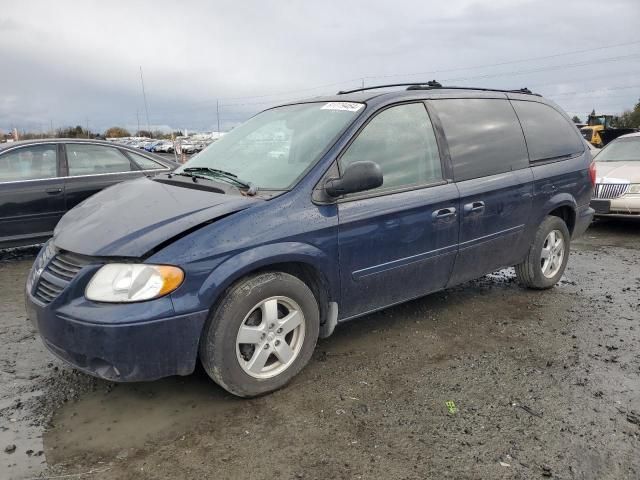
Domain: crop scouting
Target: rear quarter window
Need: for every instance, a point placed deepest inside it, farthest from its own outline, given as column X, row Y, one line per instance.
column 549, row 134
column 484, row 136
column 145, row 163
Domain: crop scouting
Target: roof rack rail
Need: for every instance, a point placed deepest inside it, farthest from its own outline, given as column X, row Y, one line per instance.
column 431, row 83
column 434, row 85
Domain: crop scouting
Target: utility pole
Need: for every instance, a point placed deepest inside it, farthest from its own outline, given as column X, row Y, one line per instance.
column 144, row 96
column 218, row 115
column 51, row 125
column 363, row 83
column 138, row 119
column 87, row 127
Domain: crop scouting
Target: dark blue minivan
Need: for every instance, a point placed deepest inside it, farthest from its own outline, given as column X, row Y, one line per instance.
column 308, row 215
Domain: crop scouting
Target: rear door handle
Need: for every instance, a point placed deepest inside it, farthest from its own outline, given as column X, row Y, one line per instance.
column 474, row 207
column 53, row 191
column 443, row 213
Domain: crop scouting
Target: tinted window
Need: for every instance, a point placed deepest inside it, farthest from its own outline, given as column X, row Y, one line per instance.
column 145, row 163
column 549, row 134
column 484, row 137
column 402, row 142
column 29, row 163
column 95, row 159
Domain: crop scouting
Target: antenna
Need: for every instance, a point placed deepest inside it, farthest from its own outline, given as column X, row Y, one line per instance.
column 218, row 116
column 144, row 96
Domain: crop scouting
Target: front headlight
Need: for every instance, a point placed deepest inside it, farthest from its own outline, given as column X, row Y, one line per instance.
column 130, row 282
column 634, row 188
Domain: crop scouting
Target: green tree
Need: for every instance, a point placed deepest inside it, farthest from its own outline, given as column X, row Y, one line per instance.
column 144, row 133
column 576, row 119
column 629, row 118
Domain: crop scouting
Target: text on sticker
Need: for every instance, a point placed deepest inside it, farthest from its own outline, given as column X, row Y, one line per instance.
column 345, row 106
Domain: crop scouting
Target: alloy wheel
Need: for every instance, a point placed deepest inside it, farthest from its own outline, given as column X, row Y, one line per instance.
column 270, row 337
column 552, row 254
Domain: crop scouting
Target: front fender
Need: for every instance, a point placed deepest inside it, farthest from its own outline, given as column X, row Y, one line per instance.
column 241, row 264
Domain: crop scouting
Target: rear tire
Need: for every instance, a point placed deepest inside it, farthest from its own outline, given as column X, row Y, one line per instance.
column 261, row 334
column 547, row 257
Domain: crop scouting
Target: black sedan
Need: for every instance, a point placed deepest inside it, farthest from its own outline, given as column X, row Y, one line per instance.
column 41, row 179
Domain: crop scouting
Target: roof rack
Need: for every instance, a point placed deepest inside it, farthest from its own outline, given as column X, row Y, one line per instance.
column 434, row 85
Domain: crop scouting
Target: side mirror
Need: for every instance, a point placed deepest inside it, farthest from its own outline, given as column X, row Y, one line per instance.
column 358, row 177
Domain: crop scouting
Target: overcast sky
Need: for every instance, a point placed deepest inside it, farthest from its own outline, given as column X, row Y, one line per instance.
column 68, row 63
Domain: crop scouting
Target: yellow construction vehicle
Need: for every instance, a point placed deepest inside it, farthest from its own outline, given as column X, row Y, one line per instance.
column 599, row 130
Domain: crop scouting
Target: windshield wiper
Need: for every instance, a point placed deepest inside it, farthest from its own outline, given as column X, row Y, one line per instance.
column 190, row 175
column 217, row 173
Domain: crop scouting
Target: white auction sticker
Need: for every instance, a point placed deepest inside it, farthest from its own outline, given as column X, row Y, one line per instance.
column 346, row 106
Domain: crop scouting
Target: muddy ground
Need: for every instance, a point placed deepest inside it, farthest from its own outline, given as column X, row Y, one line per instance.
column 545, row 384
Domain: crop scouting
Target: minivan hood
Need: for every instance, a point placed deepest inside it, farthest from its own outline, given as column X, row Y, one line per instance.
column 621, row 171
column 131, row 218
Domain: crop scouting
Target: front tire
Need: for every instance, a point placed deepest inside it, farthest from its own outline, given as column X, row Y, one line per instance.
column 261, row 334
column 547, row 257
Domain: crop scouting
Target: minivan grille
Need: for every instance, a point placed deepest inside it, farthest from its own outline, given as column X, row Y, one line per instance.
column 60, row 271
column 610, row 190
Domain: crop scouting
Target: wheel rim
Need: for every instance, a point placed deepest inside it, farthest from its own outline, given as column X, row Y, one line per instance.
column 552, row 254
column 270, row 337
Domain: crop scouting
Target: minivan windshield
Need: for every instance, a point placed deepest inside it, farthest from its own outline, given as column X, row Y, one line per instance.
column 621, row 150
column 274, row 148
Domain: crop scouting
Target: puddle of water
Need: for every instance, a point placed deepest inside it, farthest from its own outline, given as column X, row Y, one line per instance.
column 105, row 425
column 28, row 459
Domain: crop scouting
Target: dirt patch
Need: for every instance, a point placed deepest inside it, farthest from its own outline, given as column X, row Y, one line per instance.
column 486, row 380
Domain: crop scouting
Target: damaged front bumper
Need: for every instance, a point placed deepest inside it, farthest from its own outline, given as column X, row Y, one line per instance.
column 123, row 351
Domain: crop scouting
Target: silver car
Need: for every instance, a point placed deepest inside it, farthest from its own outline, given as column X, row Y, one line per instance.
column 617, row 189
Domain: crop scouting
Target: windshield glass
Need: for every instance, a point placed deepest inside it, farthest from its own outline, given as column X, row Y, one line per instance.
column 274, row 148
column 621, row 150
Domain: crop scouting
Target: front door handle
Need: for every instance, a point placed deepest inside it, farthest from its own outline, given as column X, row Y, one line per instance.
column 53, row 191
column 443, row 213
column 474, row 207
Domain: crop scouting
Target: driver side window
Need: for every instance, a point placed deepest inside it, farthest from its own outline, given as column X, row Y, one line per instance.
column 401, row 141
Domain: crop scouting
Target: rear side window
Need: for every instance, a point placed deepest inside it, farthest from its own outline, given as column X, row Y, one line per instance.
column 145, row 163
column 549, row 134
column 29, row 163
column 401, row 140
column 483, row 135
column 95, row 160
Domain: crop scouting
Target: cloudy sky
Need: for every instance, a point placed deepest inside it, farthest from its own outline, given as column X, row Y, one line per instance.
column 68, row 63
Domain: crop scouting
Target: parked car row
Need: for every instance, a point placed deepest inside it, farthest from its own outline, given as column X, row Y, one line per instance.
column 150, row 145
column 164, row 146
column 193, row 147
column 40, row 180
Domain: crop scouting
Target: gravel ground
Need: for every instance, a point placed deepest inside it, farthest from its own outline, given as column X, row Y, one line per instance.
column 542, row 384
